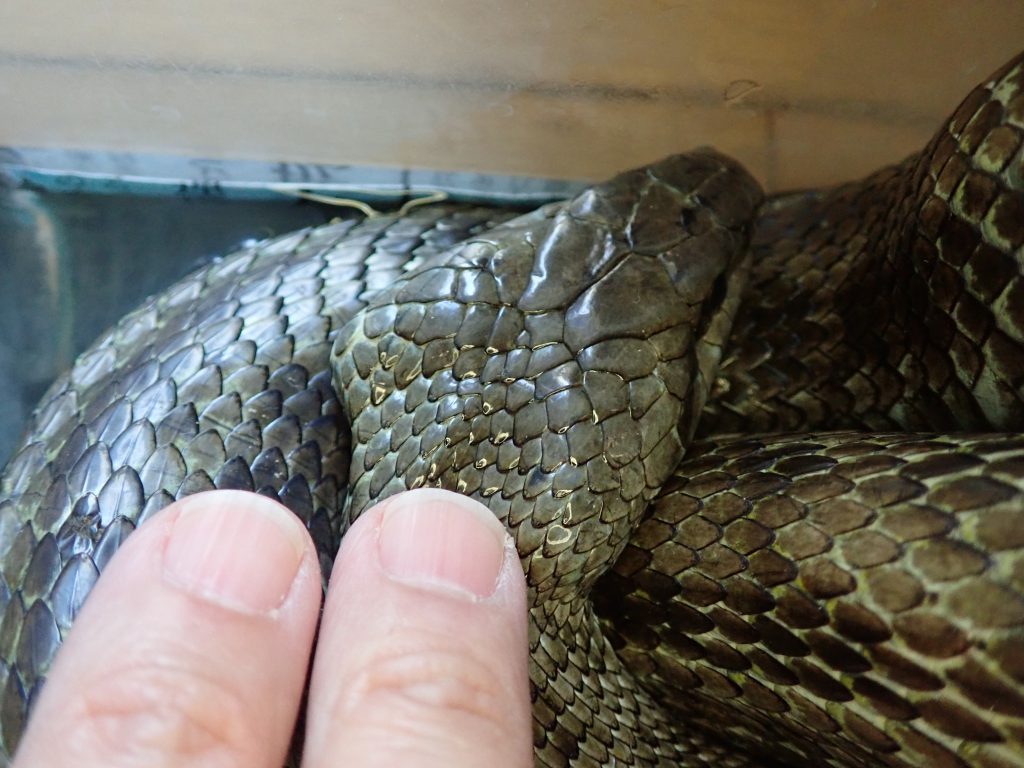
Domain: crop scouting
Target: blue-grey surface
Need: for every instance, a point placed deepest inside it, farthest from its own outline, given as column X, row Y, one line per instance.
column 160, row 175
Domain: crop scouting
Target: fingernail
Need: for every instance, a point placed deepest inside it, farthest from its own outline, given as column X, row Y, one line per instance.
column 439, row 539
column 240, row 551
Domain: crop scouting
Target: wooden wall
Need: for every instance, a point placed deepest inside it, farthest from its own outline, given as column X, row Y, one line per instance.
column 803, row 91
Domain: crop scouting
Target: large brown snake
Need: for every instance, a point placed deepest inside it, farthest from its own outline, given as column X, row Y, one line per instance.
column 823, row 598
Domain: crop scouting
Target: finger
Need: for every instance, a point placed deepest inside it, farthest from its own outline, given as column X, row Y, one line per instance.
column 421, row 659
column 192, row 648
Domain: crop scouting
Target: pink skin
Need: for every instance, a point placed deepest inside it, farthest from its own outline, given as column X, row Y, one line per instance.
column 193, row 648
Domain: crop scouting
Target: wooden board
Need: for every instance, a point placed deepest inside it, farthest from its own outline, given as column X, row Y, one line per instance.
column 803, row 91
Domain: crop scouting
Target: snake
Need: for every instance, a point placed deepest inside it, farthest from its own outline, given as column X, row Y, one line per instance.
column 761, row 456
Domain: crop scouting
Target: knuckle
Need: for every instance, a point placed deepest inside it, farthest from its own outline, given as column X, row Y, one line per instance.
column 156, row 713
column 428, row 678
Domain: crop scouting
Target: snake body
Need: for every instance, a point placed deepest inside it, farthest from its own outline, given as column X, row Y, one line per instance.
column 834, row 573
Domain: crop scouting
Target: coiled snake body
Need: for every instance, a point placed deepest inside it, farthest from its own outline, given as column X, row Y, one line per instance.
column 788, row 594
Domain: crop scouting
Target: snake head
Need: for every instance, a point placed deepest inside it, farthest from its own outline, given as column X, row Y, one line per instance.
column 554, row 367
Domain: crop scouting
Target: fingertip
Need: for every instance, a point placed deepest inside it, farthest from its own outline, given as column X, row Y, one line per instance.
column 256, row 571
column 438, row 539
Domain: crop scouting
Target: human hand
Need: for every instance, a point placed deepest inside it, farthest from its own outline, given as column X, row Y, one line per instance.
column 193, row 647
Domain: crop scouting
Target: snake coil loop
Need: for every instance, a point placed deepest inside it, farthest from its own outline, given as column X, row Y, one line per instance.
column 832, row 576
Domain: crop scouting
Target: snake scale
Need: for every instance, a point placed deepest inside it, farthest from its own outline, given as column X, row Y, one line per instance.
column 832, row 576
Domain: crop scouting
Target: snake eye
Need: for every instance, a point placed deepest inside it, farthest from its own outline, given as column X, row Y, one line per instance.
column 695, row 218
column 713, row 303
column 717, row 296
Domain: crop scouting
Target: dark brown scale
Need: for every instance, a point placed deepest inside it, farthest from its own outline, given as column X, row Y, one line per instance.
column 896, row 628
column 918, row 325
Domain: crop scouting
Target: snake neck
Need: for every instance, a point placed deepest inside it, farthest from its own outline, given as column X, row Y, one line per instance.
column 818, row 315
column 894, row 302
